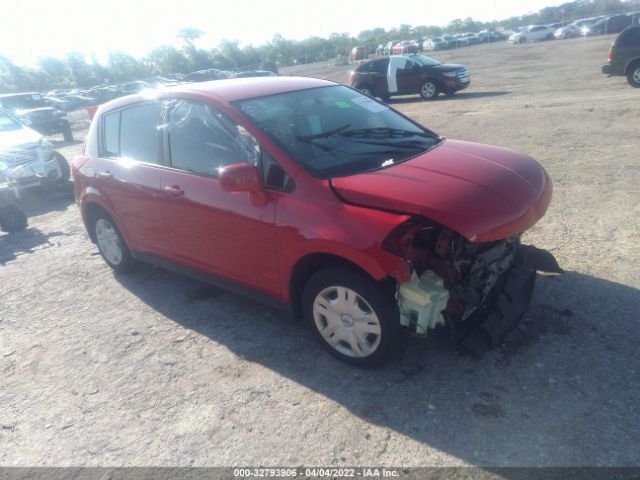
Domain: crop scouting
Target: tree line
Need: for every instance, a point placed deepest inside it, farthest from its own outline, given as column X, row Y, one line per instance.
column 75, row 70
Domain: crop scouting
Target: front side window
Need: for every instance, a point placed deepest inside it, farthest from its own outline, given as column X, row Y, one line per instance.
column 203, row 140
column 336, row 131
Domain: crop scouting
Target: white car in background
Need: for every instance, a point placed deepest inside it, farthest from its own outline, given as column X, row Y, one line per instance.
column 27, row 159
column 533, row 33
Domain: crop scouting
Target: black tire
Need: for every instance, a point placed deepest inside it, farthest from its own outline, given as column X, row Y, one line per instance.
column 633, row 75
column 377, row 297
column 366, row 89
column 385, row 98
column 126, row 262
column 429, row 89
column 65, row 171
column 549, row 36
column 522, row 40
column 67, row 133
column 12, row 219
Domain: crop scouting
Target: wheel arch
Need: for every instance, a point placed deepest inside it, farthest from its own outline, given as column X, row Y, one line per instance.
column 307, row 266
column 630, row 64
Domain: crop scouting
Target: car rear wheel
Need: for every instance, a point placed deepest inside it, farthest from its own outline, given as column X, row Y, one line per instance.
column 366, row 89
column 112, row 246
column 522, row 40
column 353, row 317
column 633, row 76
column 12, row 219
column 429, row 90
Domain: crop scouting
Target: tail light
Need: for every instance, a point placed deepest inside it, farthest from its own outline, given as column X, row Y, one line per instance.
column 352, row 78
column 609, row 55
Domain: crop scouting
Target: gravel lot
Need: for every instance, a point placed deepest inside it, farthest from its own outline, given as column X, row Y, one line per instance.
column 157, row 369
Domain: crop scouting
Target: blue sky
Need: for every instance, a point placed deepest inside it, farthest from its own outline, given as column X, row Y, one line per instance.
column 36, row 28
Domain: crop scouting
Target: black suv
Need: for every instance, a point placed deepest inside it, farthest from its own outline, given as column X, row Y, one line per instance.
column 417, row 74
column 34, row 111
column 624, row 56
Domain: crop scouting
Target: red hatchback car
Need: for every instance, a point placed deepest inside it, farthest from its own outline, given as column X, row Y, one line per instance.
column 317, row 198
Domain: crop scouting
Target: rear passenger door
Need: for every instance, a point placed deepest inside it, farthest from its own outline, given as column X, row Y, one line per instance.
column 130, row 174
column 409, row 77
column 221, row 232
column 378, row 74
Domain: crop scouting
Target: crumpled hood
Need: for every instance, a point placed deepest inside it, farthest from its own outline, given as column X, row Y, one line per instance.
column 483, row 192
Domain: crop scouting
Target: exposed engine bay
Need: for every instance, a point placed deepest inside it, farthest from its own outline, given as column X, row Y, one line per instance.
column 479, row 291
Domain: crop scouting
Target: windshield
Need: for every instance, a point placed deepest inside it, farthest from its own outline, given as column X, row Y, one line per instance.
column 7, row 123
column 425, row 61
column 24, row 102
column 335, row 131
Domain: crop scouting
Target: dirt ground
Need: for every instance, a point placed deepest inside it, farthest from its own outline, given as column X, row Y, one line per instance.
column 157, row 369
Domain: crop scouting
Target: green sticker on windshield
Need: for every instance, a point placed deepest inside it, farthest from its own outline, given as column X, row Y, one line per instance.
column 343, row 105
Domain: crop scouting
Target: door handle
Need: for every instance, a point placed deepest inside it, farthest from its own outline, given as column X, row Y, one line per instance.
column 106, row 174
column 174, row 190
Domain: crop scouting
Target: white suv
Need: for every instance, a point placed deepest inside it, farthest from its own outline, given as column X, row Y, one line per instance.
column 533, row 33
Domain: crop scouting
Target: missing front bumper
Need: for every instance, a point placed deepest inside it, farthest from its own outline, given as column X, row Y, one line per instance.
column 506, row 304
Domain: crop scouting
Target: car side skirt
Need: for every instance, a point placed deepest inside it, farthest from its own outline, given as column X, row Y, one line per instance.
column 213, row 280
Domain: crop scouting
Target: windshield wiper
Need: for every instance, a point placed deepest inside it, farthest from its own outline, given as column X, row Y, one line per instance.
column 327, row 134
column 382, row 132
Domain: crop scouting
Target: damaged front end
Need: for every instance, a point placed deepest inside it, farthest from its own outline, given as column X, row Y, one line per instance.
column 479, row 291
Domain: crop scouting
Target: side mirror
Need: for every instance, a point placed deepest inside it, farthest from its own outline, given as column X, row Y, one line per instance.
column 243, row 177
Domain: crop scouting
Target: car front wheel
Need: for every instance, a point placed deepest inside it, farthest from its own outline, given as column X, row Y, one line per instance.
column 12, row 219
column 633, row 77
column 63, row 166
column 429, row 90
column 112, row 246
column 353, row 317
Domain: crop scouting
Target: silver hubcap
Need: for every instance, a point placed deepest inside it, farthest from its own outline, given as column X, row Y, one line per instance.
column 108, row 241
column 347, row 322
column 636, row 75
column 428, row 90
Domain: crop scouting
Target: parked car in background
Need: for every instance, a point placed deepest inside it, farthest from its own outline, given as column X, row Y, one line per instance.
column 574, row 29
column 27, row 159
column 406, row 46
column 388, row 48
column 254, row 73
column 434, row 44
column 420, row 75
column 624, row 56
column 33, row 110
column 206, row 75
column 358, row 53
column 315, row 198
column 533, row 33
column 610, row 24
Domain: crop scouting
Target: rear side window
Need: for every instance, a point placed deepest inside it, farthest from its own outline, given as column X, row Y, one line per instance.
column 112, row 134
column 139, row 136
column 133, row 133
column 630, row 37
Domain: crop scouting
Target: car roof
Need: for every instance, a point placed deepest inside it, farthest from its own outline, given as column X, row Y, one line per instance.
column 230, row 90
